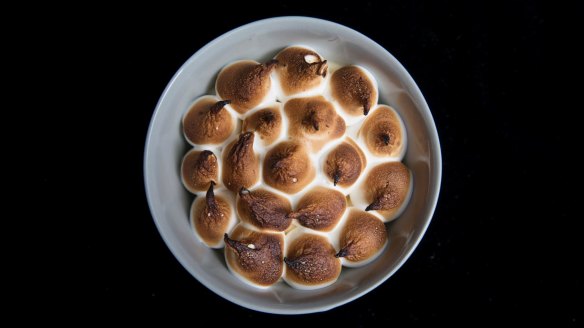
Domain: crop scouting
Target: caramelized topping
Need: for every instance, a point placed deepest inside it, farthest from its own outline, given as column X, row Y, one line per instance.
column 206, row 123
column 382, row 132
column 199, row 169
column 300, row 70
column 256, row 256
column 314, row 119
column 241, row 165
column 211, row 217
column 267, row 123
column 320, row 209
column 387, row 186
column 311, row 261
column 344, row 164
column 287, row 167
column 246, row 83
column 354, row 90
column 362, row 236
column 264, row 209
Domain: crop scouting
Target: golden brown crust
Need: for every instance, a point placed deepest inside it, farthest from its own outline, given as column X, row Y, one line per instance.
column 387, row 187
column 287, row 167
column 320, row 209
column 296, row 73
column 315, row 120
column 362, row 236
column 201, row 125
column 382, row 132
column 344, row 164
column 245, row 83
column 264, row 209
column 198, row 169
column 310, row 260
column 257, row 256
column 210, row 217
column 354, row 90
column 240, row 164
column 267, row 123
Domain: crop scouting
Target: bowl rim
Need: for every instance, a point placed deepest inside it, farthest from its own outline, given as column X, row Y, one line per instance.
column 435, row 179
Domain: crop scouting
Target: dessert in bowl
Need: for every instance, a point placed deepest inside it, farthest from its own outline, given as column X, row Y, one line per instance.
column 253, row 48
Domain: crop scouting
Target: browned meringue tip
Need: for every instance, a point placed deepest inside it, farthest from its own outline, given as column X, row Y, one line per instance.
column 240, row 163
column 287, row 167
column 382, row 132
column 315, row 120
column 362, row 236
column 266, row 122
column 246, row 83
column 344, row 164
column 310, row 260
column 257, row 257
column 211, row 217
column 300, row 70
column 198, row 168
column 354, row 90
column 206, row 123
column 387, row 186
column 320, row 209
column 264, row 209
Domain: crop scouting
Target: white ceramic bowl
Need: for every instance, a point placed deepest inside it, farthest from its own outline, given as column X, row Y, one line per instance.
column 165, row 146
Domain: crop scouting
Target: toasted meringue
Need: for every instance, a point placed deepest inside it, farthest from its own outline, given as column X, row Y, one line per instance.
column 301, row 71
column 208, row 121
column 384, row 134
column 315, row 120
column 198, row 169
column 385, row 191
column 310, row 260
column 288, row 168
column 320, row 209
column 255, row 257
column 266, row 123
column 355, row 91
column 212, row 216
column 247, row 84
column 264, row 209
column 362, row 238
column 241, row 165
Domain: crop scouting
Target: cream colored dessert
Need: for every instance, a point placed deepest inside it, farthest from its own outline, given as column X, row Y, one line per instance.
column 310, row 260
column 295, row 168
column 361, row 238
column 255, row 257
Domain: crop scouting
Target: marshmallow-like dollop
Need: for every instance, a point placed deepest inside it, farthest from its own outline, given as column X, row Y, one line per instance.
column 384, row 134
column 288, row 168
column 314, row 120
column 208, row 122
column 266, row 122
column 255, row 257
column 320, row 209
column 344, row 164
column 212, row 216
column 241, row 165
column 385, row 191
column 198, row 169
column 247, row 84
column 264, row 209
column 354, row 89
column 310, row 260
column 301, row 71
column 362, row 238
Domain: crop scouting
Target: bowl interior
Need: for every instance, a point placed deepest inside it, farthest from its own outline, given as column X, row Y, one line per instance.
column 165, row 146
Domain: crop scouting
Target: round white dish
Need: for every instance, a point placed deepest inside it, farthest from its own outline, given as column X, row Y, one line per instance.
column 165, row 146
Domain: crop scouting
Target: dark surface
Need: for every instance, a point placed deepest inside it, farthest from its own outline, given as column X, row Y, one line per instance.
column 483, row 257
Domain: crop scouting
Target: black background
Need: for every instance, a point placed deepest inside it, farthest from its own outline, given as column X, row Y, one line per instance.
column 479, row 65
